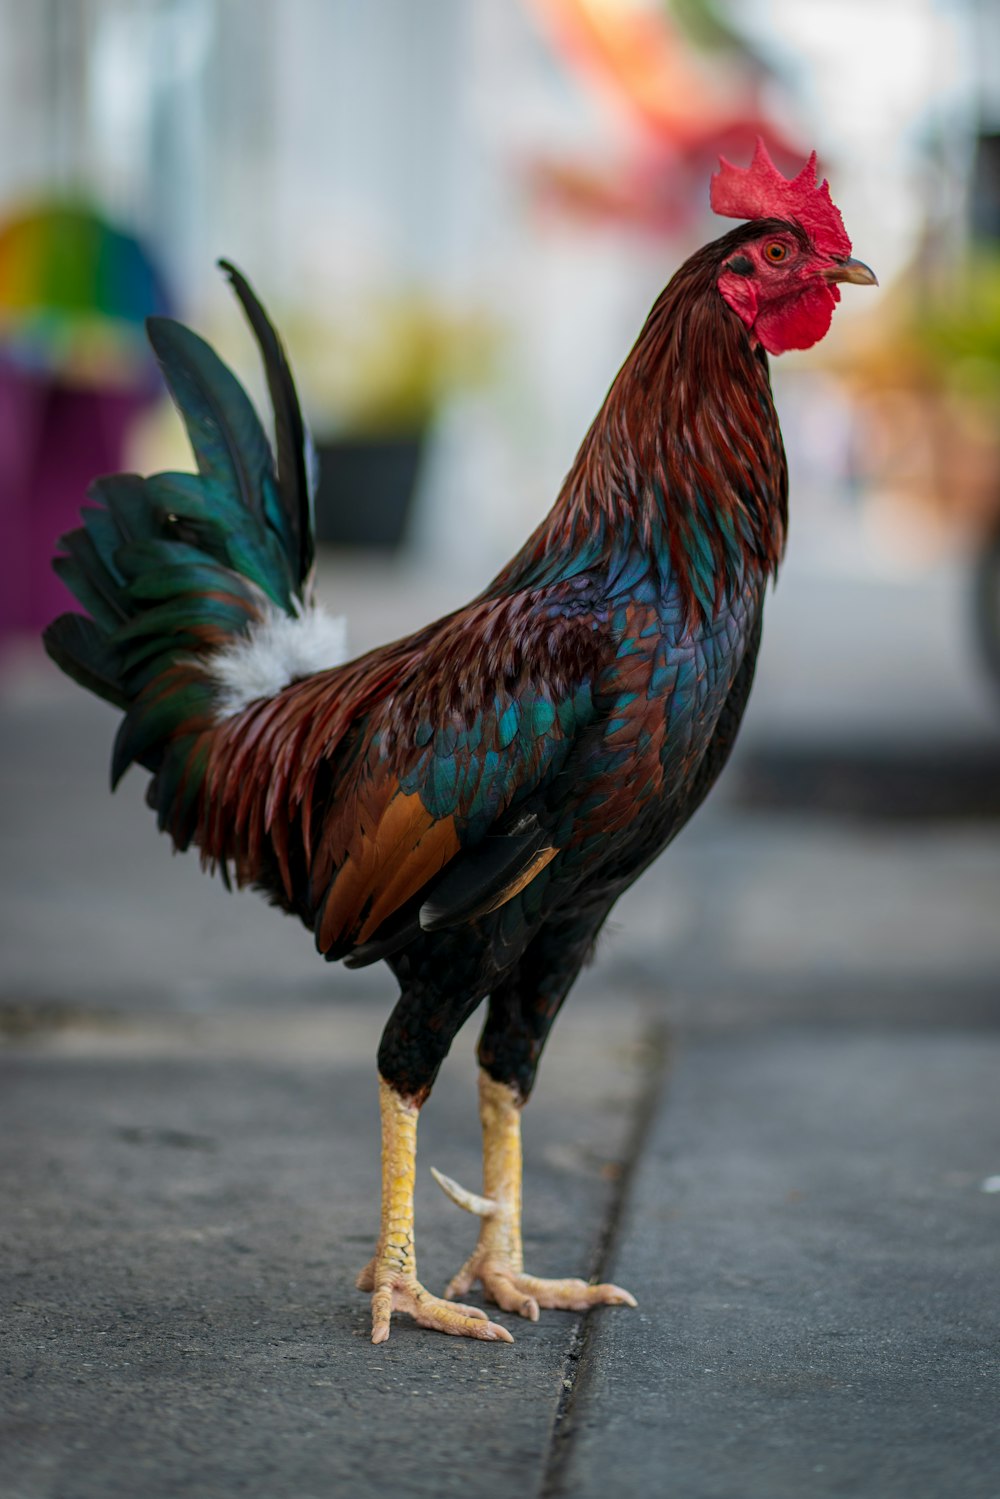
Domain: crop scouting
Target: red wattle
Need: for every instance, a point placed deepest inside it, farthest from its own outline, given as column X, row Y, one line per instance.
column 796, row 322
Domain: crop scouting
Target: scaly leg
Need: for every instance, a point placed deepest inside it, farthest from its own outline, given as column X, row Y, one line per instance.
column 391, row 1275
column 497, row 1260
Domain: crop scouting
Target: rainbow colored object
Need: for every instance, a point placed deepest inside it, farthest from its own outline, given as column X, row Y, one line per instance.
column 74, row 292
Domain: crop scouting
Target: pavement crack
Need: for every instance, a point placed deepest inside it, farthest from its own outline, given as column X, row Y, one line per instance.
column 656, row 1053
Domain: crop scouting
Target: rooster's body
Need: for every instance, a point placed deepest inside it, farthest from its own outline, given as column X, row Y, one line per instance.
column 469, row 802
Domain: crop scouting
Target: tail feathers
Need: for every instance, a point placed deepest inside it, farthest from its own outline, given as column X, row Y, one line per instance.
column 198, row 512
column 296, row 459
column 174, row 569
column 235, row 463
column 85, row 573
column 77, row 645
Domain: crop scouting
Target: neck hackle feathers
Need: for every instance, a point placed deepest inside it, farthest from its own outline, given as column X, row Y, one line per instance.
column 761, row 192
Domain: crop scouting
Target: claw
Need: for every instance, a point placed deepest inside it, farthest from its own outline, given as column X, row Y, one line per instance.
column 483, row 1207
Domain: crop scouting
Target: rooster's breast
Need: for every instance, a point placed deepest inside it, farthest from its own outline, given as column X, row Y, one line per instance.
column 675, row 696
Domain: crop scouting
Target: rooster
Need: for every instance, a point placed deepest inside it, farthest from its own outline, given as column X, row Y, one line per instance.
column 469, row 802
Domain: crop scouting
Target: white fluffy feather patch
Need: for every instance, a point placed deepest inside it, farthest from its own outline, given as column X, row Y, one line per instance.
column 275, row 651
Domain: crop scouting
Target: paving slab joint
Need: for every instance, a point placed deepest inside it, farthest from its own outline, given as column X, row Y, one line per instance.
column 656, row 1051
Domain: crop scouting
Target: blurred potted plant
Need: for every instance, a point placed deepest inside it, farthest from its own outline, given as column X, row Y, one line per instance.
column 375, row 381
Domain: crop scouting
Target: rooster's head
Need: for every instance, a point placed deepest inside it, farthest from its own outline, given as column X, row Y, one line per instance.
column 781, row 279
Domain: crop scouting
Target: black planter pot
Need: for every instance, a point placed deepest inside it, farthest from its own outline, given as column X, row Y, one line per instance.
column 366, row 487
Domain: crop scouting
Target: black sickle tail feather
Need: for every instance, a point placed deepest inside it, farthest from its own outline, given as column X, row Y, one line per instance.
column 291, row 437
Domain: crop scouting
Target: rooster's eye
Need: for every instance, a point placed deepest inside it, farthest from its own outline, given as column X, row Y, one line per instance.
column 775, row 252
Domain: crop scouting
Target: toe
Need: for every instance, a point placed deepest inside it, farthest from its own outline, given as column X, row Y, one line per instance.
column 468, row 1311
column 574, row 1295
column 511, row 1296
column 460, row 1283
column 528, row 1307
column 381, row 1314
column 465, row 1327
column 613, row 1295
column 568, row 1295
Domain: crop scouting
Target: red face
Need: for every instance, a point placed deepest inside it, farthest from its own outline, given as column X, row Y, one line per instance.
column 784, row 290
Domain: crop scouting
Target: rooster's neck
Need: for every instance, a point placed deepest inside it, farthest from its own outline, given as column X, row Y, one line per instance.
column 684, row 461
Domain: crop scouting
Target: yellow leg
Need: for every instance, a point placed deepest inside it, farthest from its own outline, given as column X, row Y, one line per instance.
column 391, row 1275
column 498, row 1260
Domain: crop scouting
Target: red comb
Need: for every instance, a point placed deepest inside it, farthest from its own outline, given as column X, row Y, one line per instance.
column 761, row 192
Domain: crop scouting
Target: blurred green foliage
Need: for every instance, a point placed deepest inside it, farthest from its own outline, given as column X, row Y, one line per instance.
column 705, row 23
column 956, row 330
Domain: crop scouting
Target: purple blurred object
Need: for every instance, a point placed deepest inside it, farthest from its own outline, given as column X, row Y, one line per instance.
column 55, row 438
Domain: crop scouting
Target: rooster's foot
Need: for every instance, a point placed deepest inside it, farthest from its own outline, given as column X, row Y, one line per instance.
column 514, row 1291
column 497, row 1259
column 396, row 1291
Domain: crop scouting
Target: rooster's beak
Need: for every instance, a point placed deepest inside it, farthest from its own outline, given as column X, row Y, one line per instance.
column 850, row 270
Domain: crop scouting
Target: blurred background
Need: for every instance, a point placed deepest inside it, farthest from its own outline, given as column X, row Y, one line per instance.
column 458, row 213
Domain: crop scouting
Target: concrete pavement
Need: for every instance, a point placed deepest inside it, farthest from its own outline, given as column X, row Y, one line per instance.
column 187, row 1205
column 812, row 1203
